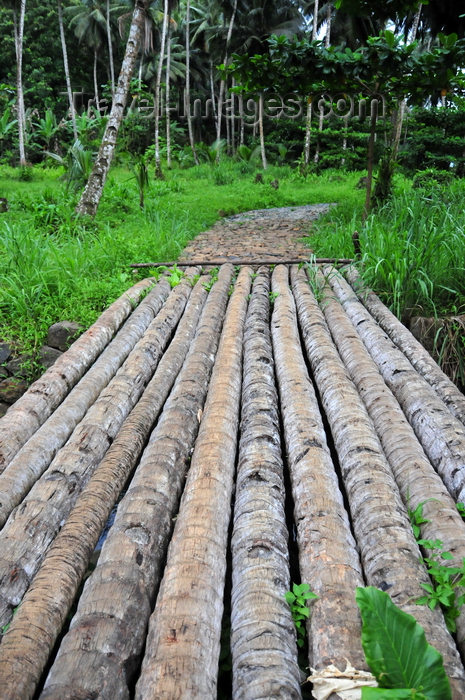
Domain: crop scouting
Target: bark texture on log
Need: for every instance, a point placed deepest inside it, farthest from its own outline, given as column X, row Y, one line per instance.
column 411, row 347
column 328, row 556
column 39, row 619
column 263, row 641
column 35, row 456
column 37, row 404
column 183, row 642
column 440, row 433
column 416, row 478
column 389, row 552
column 108, row 631
column 45, row 509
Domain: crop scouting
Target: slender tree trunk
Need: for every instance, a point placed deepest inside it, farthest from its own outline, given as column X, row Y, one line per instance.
column 96, row 90
column 90, row 198
column 167, row 96
column 370, row 158
column 261, row 131
column 320, row 129
column 233, row 117
column 344, row 140
column 72, row 111
column 315, row 20
column 308, row 128
column 329, row 11
column 212, row 92
column 263, row 643
column 158, row 170
column 188, row 84
column 223, row 82
column 241, row 122
column 110, row 49
column 19, row 39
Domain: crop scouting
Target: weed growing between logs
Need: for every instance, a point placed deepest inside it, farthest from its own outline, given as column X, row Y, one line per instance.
column 297, row 601
column 447, row 582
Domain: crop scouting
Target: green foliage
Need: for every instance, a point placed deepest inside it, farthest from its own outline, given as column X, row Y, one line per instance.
column 397, row 652
column 297, row 601
column 417, row 519
column 461, row 510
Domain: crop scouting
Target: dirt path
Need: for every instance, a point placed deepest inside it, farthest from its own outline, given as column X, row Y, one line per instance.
column 267, row 235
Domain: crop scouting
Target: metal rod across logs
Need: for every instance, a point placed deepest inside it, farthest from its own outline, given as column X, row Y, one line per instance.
column 239, row 261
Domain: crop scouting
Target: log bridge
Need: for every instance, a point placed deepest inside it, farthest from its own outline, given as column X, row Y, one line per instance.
column 194, row 452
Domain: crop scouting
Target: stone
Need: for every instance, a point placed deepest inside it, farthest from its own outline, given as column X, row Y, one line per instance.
column 20, row 366
column 4, row 372
column 12, row 389
column 3, row 408
column 62, row 334
column 5, row 352
column 48, row 355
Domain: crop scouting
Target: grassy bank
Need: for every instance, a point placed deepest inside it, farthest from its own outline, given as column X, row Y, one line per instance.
column 54, row 266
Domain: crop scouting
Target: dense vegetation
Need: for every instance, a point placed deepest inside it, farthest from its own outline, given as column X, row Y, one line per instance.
column 56, row 105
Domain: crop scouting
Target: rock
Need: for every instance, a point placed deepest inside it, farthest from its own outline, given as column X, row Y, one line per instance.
column 3, row 408
column 5, row 352
column 258, row 178
column 62, row 334
column 4, row 372
column 12, row 389
column 274, row 184
column 20, row 366
column 48, row 355
column 362, row 183
column 3, row 205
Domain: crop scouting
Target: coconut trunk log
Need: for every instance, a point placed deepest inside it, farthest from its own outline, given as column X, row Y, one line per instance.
column 389, row 552
column 108, row 631
column 415, row 476
column 44, row 608
column 439, row 432
column 35, row 456
column 263, row 640
column 328, row 556
column 48, row 504
column 412, row 349
column 42, row 397
column 183, row 643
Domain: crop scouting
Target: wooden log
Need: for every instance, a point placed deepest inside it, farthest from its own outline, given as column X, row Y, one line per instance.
column 328, row 556
column 439, row 432
column 389, row 552
column 183, row 643
column 42, row 397
column 263, row 643
column 45, row 606
column 415, row 476
column 412, row 349
column 107, row 634
column 35, row 456
column 236, row 260
column 34, row 524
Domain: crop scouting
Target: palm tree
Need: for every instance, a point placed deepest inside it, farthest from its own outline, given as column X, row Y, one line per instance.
column 89, row 24
column 188, row 83
column 18, row 27
column 90, row 198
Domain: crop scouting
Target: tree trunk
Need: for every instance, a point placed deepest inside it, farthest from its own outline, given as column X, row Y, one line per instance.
column 416, row 478
column 212, row 93
column 158, row 170
column 51, row 595
column 188, row 85
column 96, row 90
column 441, row 435
column 370, row 158
column 35, row 456
column 320, row 129
column 19, row 36
column 315, row 20
column 110, row 50
column 50, row 500
column 190, row 601
column 72, row 111
column 167, row 96
column 329, row 11
column 223, row 82
column 389, row 552
column 328, row 557
column 414, row 351
column 90, row 198
column 37, row 404
column 308, row 129
column 263, row 641
column 261, row 131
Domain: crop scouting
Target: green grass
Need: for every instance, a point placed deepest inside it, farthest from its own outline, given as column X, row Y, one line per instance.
column 55, row 266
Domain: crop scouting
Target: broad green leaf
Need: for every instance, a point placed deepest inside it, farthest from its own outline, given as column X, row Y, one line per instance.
column 396, row 649
column 391, row 694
